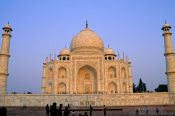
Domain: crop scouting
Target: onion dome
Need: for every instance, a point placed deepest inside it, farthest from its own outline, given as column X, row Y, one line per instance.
column 64, row 51
column 86, row 39
column 109, row 51
column 7, row 26
column 166, row 27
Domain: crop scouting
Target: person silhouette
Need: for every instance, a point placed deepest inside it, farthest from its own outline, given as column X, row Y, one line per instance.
column 47, row 110
column 66, row 111
column 91, row 109
column 104, row 110
column 157, row 110
column 60, row 111
column 53, row 110
column 137, row 112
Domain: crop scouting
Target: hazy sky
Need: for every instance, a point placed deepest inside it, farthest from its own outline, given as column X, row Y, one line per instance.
column 44, row 26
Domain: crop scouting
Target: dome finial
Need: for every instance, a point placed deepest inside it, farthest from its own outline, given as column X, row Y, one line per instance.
column 165, row 21
column 86, row 24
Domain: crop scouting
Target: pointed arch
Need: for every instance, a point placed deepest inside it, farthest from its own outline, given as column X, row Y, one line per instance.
column 86, row 80
column 124, row 87
column 62, row 73
column 123, row 72
column 111, row 72
column 49, row 88
column 61, row 88
column 112, row 87
column 50, row 73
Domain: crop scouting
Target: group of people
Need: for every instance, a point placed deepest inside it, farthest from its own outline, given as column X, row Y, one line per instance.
column 53, row 111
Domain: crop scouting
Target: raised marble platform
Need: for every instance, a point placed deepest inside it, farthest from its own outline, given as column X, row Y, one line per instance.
column 132, row 99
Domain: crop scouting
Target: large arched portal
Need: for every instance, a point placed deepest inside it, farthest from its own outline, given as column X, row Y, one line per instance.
column 87, row 80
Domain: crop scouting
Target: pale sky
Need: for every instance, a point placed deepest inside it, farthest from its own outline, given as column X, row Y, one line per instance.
column 44, row 26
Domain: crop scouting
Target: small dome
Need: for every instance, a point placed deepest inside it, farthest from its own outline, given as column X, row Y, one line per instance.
column 86, row 39
column 109, row 51
column 166, row 25
column 7, row 26
column 64, row 51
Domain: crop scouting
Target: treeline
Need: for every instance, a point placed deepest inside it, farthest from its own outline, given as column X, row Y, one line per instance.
column 141, row 87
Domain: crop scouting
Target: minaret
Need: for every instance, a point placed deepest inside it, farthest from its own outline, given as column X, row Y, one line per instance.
column 4, row 57
column 169, row 56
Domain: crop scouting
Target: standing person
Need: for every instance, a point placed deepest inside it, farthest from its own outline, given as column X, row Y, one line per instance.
column 66, row 111
column 137, row 112
column 60, row 111
column 53, row 110
column 104, row 110
column 91, row 109
column 157, row 110
column 47, row 110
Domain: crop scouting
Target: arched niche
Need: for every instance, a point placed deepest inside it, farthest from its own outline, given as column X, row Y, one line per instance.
column 124, row 86
column 50, row 73
column 49, row 88
column 61, row 88
column 123, row 73
column 112, row 88
column 62, row 73
column 111, row 72
column 86, row 80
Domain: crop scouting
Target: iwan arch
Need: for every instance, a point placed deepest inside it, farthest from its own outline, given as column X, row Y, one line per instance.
column 87, row 73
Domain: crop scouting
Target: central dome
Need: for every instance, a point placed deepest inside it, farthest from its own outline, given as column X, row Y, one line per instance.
column 86, row 39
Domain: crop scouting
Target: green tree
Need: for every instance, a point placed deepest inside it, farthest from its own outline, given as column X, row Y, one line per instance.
column 161, row 88
column 141, row 86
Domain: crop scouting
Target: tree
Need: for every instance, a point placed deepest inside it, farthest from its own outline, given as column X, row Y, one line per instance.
column 141, row 86
column 162, row 88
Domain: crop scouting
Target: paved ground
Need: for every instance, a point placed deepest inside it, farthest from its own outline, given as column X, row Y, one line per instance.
column 98, row 111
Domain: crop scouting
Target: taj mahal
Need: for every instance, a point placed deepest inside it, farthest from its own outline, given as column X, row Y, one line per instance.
column 87, row 73
column 87, row 68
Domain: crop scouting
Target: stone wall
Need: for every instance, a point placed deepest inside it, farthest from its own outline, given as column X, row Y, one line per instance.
column 87, row 99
